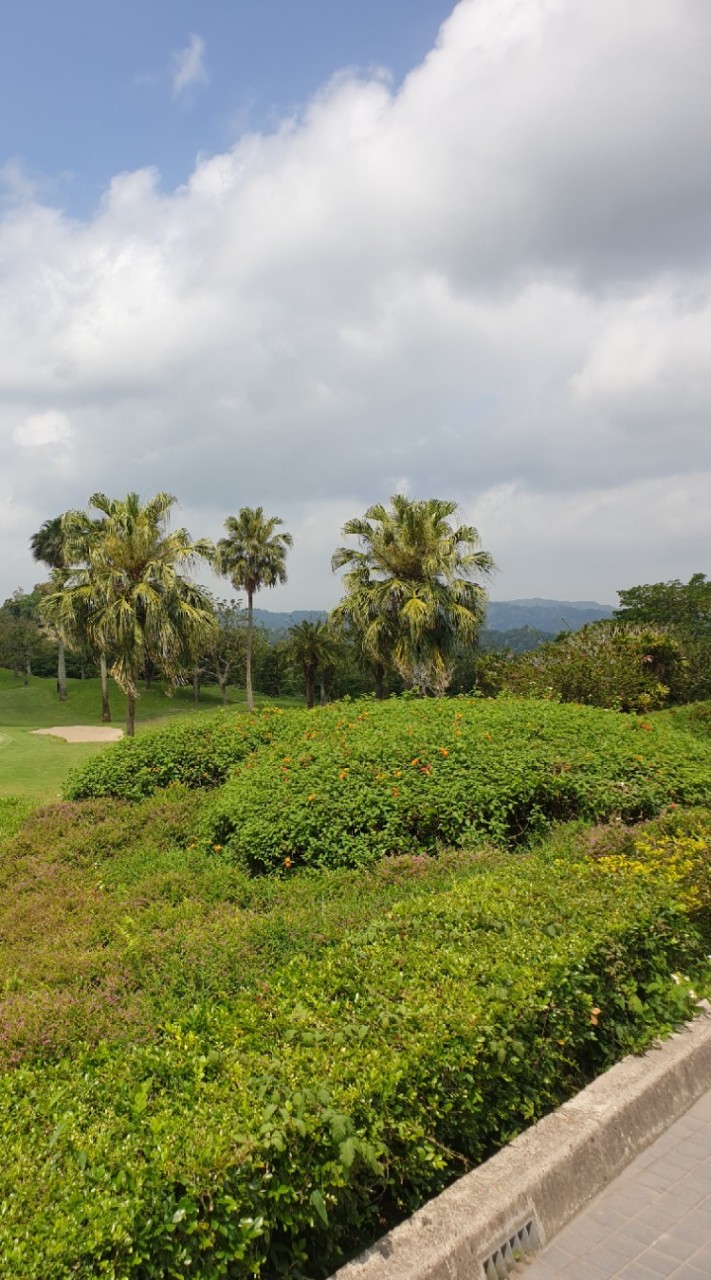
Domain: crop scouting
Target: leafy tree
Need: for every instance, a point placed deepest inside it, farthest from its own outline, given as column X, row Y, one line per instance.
column 313, row 648
column 127, row 575
column 222, row 653
column 685, row 605
column 252, row 556
column 20, row 636
column 273, row 672
column 409, row 588
column 685, row 609
column 625, row 668
column 47, row 546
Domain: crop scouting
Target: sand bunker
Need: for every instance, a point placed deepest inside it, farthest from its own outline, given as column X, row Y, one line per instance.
column 84, row 732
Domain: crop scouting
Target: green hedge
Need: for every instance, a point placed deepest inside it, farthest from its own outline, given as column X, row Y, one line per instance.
column 276, row 1130
column 194, row 752
column 348, row 784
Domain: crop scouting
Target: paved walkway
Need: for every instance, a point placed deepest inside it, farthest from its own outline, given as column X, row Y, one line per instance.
column 652, row 1223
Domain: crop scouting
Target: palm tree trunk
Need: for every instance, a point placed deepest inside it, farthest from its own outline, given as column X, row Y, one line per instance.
column 322, row 689
column 61, row 673
column 309, row 674
column 223, row 689
column 379, row 681
column 196, row 685
column 105, row 704
column 250, row 630
column 131, row 715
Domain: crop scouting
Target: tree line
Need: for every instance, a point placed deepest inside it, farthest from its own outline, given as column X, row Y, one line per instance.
column 121, row 599
column 121, row 595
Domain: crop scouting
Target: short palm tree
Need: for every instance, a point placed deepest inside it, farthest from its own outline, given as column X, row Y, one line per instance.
column 252, row 556
column 312, row 647
column 410, row 588
column 131, row 588
column 47, row 546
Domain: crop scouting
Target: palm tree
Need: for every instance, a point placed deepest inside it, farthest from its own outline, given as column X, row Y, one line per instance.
column 313, row 647
column 47, row 546
column 131, row 589
column 253, row 556
column 71, row 615
column 410, row 589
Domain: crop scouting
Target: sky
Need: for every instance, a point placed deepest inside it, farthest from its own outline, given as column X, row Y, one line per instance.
column 308, row 256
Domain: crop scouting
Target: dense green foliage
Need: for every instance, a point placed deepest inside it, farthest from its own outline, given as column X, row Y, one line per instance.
column 606, row 664
column 350, row 783
column 686, row 605
column 219, row 1076
column 684, row 609
column 197, row 753
column 214, row 1073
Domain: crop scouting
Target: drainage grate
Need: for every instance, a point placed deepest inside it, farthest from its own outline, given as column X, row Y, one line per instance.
column 502, row 1262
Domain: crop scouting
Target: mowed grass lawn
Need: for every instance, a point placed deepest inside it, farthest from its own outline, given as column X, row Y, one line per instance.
column 35, row 767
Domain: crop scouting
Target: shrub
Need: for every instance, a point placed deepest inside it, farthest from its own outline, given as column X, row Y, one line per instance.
column 194, row 752
column 605, row 664
column 349, row 784
column 279, row 1129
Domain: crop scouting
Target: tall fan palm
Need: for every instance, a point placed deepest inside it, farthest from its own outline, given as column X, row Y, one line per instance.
column 137, row 601
column 410, row 589
column 71, row 614
column 252, row 556
column 47, row 546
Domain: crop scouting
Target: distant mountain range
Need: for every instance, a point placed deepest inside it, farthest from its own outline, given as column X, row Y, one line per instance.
column 544, row 615
column 550, row 616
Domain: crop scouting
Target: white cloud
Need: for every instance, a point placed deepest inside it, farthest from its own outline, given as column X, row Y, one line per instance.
column 189, row 66
column 42, row 429
column 493, row 284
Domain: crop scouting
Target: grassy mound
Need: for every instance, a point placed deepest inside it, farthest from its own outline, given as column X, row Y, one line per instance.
column 262, row 1074
column 345, row 785
column 206, row 1072
column 196, row 753
column 693, row 718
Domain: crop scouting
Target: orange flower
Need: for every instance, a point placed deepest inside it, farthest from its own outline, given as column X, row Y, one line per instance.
column 396, row 791
column 287, row 759
column 443, row 751
column 217, row 848
column 595, row 1016
column 416, row 760
column 312, row 796
column 287, row 862
column 343, row 774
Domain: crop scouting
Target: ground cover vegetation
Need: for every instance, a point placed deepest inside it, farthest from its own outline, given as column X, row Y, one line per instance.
column 212, row 1074
column 360, row 780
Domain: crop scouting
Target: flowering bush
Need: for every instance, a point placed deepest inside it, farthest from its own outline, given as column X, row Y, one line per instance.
column 351, row 783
